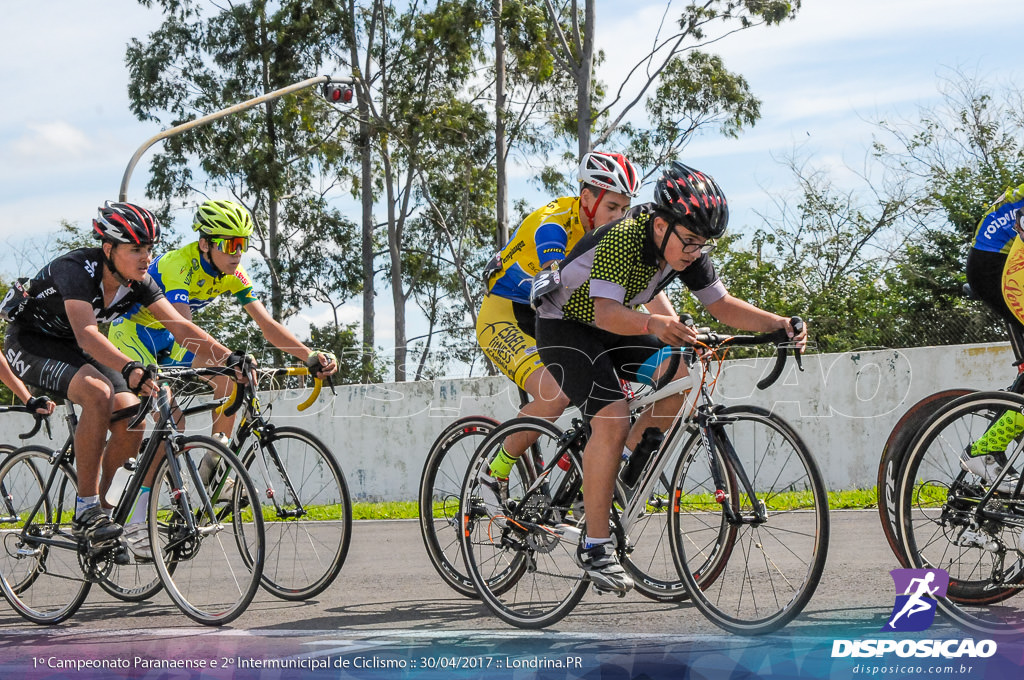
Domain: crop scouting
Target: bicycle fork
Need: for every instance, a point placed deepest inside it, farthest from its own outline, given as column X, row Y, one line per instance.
column 712, row 433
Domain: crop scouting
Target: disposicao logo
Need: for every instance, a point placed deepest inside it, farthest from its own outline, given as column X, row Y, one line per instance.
column 914, row 610
column 916, row 594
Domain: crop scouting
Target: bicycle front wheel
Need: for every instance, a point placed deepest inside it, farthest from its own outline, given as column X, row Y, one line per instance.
column 523, row 561
column 778, row 551
column 210, row 559
column 440, row 485
column 942, row 527
column 39, row 558
column 307, row 511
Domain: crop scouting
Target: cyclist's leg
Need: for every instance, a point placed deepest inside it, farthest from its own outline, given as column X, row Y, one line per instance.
column 60, row 367
column 657, row 365
column 223, row 425
column 577, row 357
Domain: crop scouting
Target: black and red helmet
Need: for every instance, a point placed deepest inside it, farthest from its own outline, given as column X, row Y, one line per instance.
column 126, row 223
column 692, row 199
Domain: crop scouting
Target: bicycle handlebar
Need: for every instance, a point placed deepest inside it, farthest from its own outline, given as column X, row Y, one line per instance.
column 779, row 338
column 237, row 397
column 40, row 420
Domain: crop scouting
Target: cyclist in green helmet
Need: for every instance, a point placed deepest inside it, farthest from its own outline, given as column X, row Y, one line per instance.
column 191, row 278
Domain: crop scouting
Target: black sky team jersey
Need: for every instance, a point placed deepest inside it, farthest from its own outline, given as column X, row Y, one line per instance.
column 77, row 275
column 620, row 261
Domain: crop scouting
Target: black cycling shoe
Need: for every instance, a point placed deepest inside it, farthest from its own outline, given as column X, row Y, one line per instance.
column 94, row 526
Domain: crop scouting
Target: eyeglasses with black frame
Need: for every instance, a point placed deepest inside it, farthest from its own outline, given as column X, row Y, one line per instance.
column 694, row 246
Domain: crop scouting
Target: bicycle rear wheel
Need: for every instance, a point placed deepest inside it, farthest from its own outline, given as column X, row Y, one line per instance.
column 44, row 583
column 440, row 485
column 891, row 462
column 773, row 566
column 210, row 564
column 941, row 528
column 307, row 511
column 651, row 561
column 523, row 564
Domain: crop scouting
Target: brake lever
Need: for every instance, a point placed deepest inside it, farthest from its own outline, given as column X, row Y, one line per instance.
column 798, row 328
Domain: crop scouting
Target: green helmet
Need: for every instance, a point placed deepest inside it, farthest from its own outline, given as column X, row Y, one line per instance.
column 224, row 219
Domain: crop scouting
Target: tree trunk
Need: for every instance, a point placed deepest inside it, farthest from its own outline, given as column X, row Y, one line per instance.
column 366, row 196
column 500, row 143
column 583, row 77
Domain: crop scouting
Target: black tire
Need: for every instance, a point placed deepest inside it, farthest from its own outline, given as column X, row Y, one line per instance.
column 307, row 511
column 936, row 506
column 773, row 567
column 891, row 462
column 135, row 582
column 218, row 567
column 523, row 567
column 440, row 486
column 44, row 583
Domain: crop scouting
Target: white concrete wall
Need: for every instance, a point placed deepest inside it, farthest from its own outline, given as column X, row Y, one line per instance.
column 844, row 405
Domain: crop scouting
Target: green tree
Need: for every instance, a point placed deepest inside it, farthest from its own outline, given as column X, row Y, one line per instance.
column 681, row 87
column 961, row 155
column 282, row 159
column 421, row 127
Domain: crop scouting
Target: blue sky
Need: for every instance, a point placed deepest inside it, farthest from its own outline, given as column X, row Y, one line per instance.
column 66, row 133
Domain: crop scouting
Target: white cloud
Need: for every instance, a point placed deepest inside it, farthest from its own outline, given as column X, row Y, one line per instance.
column 56, row 139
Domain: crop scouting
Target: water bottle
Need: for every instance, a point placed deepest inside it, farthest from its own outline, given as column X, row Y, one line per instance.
column 208, row 467
column 211, row 459
column 649, row 443
column 120, row 482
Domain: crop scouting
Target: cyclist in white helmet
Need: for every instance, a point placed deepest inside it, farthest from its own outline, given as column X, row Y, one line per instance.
column 505, row 323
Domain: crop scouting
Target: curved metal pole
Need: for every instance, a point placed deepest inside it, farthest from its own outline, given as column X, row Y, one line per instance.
column 237, row 108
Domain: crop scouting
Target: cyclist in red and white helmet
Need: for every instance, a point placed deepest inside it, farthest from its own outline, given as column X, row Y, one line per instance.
column 607, row 172
column 505, row 322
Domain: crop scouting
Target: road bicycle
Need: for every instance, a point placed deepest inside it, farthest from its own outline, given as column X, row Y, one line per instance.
column 304, row 497
column 305, row 501
column 905, row 432
column 951, row 519
column 207, row 542
column 650, row 562
column 747, row 514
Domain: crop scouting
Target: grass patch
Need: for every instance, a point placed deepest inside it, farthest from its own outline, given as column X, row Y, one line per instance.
column 857, row 499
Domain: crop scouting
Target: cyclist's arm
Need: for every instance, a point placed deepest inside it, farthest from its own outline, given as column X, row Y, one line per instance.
column 743, row 315
column 661, row 305
column 615, row 317
column 90, row 338
column 184, row 331
column 280, row 337
column 276, row 333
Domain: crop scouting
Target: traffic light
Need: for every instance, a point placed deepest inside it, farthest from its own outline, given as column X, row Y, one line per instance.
column 338, row 94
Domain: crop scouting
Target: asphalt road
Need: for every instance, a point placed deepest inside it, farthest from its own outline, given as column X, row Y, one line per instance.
column 388, row 584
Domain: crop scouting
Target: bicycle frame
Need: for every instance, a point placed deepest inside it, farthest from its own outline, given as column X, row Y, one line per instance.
column 698, row 412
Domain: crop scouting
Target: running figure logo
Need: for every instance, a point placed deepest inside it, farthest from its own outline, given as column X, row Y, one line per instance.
column 917, row 590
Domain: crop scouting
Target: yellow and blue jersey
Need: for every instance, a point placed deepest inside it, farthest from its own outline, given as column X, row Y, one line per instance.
column 995, row 231
column 187, row 278
column 546, row 234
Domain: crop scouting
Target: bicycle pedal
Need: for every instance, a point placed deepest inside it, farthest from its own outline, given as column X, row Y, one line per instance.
column 121, row 556
column 606, row 591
